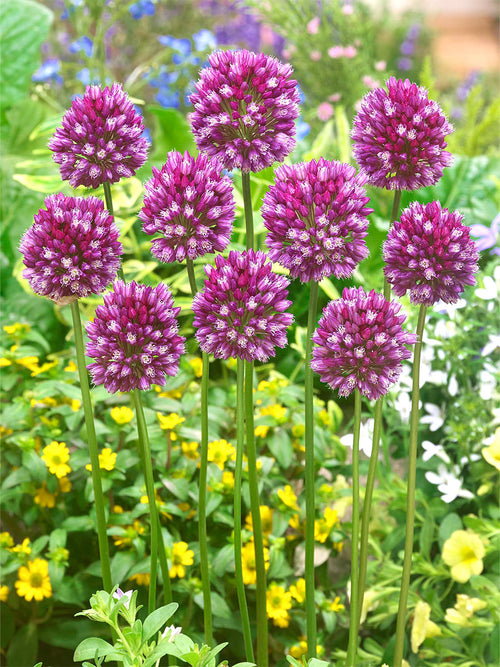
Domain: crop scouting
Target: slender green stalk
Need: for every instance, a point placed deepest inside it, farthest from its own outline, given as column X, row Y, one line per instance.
column 142, row 433
column 240, row 443
column 247, row 202
column 354, row 613
column 309, row 474
column 202, row 498
column 260, row 568
column 396, row 202
column 109, row 205
column 410, row 494
column 94, row 454
column 365, row 515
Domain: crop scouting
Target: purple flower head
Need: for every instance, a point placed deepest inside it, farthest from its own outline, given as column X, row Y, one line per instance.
column 134, row 338
column 430, row 253
column 245, row 106
column 399, row 137
column 360, row 343
column 100, row 138
column 190, row 203
column 241, row 310
column 72, row 249
column 315, row 214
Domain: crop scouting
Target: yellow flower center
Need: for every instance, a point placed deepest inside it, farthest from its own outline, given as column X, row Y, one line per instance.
column 36, row 579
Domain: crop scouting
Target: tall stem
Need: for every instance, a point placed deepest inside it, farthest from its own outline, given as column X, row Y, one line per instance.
column 410, row 494
column 202, row 498
column 354, row 613
column 240, row 443
column 247, row 202
column 396, row 202
column 142, row 433
column 309, row 474
column 109, row 205
column 94, row 454
column 260, row 568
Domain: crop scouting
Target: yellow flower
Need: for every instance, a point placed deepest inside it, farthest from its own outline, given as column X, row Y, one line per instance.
column 422, row 627
column 323, row 527
column 17, row 327
column 298, row 590
column 6, row 540
column 228, row 480
column 56, row 457
column 23, row 548
column 190, row 450
column 31, row 363
column 34, row 580
column 298, row 650
column 44, row 498
column 277, row 411
column 463, row 551
column 36, row 370
column 122, row 414
column 129, row 534
column 64, row 485
column 145, row 500
column 266, row 519
column 71, row 367
column 288, row 497
column 248, row 562
column 170, row 421
column 141, row 578
column 197, row 366
column 278, row 602
column 298, row 430
column 491, row 454
column 117, row 509
column 47, row 402
column 4, row 362
column 369, row 603
column 325, row 417
column 4, row 593
column 181, row 557
column 219, row 451
column 107, row 460
column 464, row 610
column 261, row 431
column 75, row 404
column 336, row 605
column 5, row 432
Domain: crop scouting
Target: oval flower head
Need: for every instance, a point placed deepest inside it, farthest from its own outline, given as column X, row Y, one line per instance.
column 190, row 203
column 134, row 338
column 245, row 106
column 241, row 310
column 316, row 217
column 360, row 343
column 429, row 253
column 100, row 138
column 72, row 249
column 399, row 137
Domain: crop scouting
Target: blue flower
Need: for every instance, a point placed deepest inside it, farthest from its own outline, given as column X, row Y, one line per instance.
column 405, row 64
column 204, row 39
column 302, row 129
column 48, row 70
column 168, row 99
column 142, row 8
column 183, row 46
column 84, row 76
column 82, row 44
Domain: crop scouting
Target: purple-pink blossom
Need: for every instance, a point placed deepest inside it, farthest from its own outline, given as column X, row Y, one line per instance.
column 100, row 138
column 360, row 343
column 245, row 106
column 72, row 250
column 190, row 204
column 241, row 310
column 429, row 253
column 316, row 217
column 399, row 137
column 134, row 338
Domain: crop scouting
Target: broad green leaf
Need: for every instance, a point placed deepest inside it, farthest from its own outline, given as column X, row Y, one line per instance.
column 90, row 646
column 172, row 132
column 449, row 525
column 23, row 647
column 157, row 619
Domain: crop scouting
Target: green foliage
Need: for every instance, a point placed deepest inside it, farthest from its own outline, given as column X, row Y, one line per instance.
column 477, row 134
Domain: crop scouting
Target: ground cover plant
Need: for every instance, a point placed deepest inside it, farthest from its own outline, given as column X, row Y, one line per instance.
column 249, row 379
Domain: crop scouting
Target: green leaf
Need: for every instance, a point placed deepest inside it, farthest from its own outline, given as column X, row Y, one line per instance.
column 172, row 132
column 157, row 619
column 223, row 561
column 449, row 525
column 24, row 25
column 23, row 647
column 495, row 645
column 87, row 649
column 280, row 446
column 427, row 536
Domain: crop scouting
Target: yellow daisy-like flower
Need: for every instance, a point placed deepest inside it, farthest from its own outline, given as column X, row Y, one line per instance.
column 464, row 551
column 323, row 527
column 219, row 451
column 107, row 460
column 422, row 627
column 491, row 454
column 121, row 414
column 278, row 602
column 248, row 562
column 182, row 556
column 266, row 519
column 4, row 593
column 141, row 578
column 170, row 421
column 6, row 540
column 228, row 480
column 298, row 650
column 288, row 497
column 336, row 605
column 277, row 411
column 64, row 485
column 261, row 431
column 298, row 590
column 71, row 367
column 44, row 497
column 197, row 366
column 190, row 450
column 22, row 549
column 34, row 580
column 56, row 457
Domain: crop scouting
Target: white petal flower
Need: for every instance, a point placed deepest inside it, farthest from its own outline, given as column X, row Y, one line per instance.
column 365, row 437
column 434, row 450
column 434, row 417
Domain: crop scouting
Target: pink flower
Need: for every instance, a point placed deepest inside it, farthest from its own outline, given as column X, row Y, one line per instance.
column 325, row 111
column 370, row 82
column 380, row 65
column 350, row 52
column 335, row 97
column 347, row 9
column 336, row 52
column 313, row 26
column 315, row 55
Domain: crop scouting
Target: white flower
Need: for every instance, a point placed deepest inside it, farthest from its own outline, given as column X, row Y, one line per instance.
column 453, row 386
column 489, row 292
column 434, row 450
column 487, row 382
column 171, row 632
column 448, row 484
column 434, row 417
column 365, row 437
column 492, row 344
column 449, row 309
column 119, row 594
column 469, row 459
column 403, row 405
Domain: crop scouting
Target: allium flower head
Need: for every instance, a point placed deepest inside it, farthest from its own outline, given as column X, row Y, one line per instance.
column 100, row 138
column 245, row 106
column 399, row 137
column 241, row 310
column 190, row 203
column 315, row 214
column 360, row 343
column 430, row 253
column 134, row 338
column 72, row 249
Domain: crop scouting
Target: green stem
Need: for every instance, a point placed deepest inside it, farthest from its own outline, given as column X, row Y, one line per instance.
column 309, row 474
column 365, row 515
column 396, row 202
column 142, row 433
column 247, row 202
column 410, row 494
column 260, row 568
column 94, row 454
column 109, row 205
column 191, row 276
column 354, row 613
column 240, row 443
